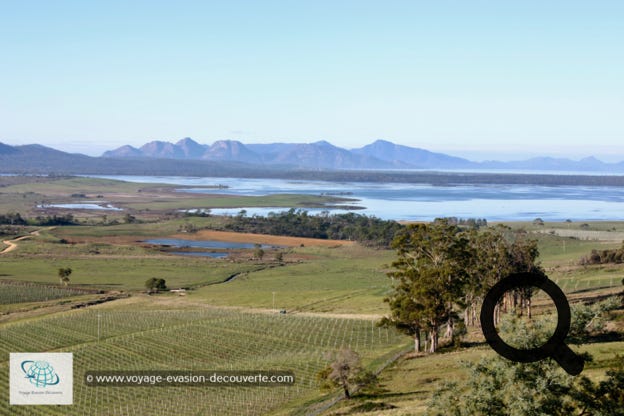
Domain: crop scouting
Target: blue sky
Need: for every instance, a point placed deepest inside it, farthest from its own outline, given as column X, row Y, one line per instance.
column 482, row 79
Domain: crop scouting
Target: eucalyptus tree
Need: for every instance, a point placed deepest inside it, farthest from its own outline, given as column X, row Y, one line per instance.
column 429, row 277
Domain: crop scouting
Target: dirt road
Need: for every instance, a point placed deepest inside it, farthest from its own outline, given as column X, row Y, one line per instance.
column 12, row 244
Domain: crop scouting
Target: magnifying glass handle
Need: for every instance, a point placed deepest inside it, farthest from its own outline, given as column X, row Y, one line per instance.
column 571, row 362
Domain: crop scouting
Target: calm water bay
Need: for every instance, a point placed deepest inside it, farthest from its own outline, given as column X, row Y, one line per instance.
column 425, row 202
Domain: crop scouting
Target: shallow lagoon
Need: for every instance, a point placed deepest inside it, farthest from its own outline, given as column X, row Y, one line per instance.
column 83, row 205
column 402, row 201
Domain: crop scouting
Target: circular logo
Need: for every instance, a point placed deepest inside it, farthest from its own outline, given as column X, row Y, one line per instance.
column 40, row 373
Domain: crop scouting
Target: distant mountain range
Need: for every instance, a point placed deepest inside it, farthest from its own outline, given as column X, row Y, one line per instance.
column 323, row 155
column 305, row 160
column 317, row 155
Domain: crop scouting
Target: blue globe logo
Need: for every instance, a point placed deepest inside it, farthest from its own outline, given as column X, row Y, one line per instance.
column 40, row 373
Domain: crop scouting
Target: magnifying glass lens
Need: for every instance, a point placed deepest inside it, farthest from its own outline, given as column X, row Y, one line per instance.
column 524, row 283
column 527, row 318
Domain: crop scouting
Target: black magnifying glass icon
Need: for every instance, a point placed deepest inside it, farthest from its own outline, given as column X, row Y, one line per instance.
column 554, row 347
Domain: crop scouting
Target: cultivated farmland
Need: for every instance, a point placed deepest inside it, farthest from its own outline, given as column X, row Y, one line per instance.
column 208, row 339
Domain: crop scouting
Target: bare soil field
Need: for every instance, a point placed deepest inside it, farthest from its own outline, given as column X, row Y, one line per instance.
column 261, row 239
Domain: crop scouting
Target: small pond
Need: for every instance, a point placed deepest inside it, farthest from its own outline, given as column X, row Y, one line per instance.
column 214, row 255
column 208, row 244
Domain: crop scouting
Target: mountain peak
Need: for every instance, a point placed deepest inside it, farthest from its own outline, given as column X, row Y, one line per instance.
column 190, row 148
column 227, row 142
column 231, row 150
column 383, row 142
column 162, row 150
column 187, row 141
column 411, row 157
column 591, row 159
column 125, row 151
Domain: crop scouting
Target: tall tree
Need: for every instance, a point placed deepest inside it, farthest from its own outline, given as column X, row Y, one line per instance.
column 523, row 258
column 443, row 270
column 490, row 264
column 498, row 252
column 429, row 275
column 406, row 314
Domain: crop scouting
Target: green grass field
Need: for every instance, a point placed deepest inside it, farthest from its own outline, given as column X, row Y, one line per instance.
column 137, row 231
column 121, row 273
column 349, row 279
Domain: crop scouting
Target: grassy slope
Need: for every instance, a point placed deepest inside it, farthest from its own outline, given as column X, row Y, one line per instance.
column 561, row 255
column 25, row 195
column 120, row 273
column 136, row 231
column 343, row 280
column 410, row 382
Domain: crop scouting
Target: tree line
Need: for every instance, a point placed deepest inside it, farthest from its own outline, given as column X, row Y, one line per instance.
column 443, row 272
column 12, row 218
column 15, row 218
column 604, row 256
column 368, row 230
column 468, row 222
